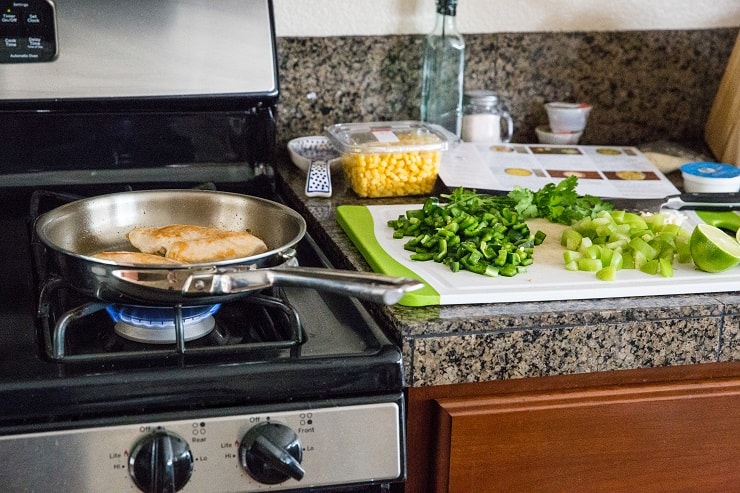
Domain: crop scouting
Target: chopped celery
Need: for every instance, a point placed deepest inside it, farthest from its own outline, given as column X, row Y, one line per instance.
column 571, row 255
column 608, row 273
column 617, row 260
column 625, row 240
column 642, row 246
column 590, row 264
column 665, row 267
column 571, row 239
column 650, row 267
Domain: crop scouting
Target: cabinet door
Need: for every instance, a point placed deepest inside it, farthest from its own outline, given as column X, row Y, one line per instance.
column 671, row 438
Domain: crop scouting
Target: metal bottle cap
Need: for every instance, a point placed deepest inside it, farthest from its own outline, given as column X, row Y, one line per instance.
column 446, row 7
column 481, row 96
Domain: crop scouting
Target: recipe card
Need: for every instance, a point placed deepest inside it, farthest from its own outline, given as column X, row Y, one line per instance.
column 603, row 171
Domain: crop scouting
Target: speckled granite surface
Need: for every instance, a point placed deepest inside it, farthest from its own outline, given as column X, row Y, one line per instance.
column 644, row 85
column 472, row 343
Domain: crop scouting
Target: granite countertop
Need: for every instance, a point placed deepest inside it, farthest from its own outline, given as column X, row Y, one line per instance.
column 453, row 344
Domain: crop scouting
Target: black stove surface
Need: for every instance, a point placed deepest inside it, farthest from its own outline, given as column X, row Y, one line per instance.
column 63, row 148
column 341, row 352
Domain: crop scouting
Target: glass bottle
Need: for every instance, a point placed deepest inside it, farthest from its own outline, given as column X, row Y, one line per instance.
column 443, row 70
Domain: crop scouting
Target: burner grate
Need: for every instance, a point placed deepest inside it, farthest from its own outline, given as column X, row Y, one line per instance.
column 73, row 329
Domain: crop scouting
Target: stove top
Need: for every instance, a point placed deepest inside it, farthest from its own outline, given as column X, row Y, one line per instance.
column 280, row 345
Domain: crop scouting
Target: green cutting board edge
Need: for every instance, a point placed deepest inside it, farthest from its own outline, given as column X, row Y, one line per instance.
column 728, row 220
column 357, row 222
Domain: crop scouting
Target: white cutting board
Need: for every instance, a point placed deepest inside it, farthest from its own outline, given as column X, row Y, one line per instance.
column 545, row 280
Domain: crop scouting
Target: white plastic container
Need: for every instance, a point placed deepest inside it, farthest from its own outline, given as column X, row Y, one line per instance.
column 708, row 177
column 567, row 117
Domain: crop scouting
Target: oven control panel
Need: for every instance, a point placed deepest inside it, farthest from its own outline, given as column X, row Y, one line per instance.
column 306, row 448
column 27, row 31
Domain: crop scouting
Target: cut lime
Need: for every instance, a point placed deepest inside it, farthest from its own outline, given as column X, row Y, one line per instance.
column 713, row 250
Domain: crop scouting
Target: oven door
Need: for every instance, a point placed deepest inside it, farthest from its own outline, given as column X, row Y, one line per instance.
column 342, row 445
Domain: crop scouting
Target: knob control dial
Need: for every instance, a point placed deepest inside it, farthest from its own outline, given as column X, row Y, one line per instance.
column 161, row 462
column 271, row 453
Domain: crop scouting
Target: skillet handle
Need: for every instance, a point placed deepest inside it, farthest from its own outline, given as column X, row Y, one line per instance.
column 377, row 288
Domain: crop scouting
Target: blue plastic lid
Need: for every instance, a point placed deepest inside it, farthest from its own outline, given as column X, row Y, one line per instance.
column 711, row 170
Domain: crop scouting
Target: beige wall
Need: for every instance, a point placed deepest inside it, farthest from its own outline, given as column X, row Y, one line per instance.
column 382, row 17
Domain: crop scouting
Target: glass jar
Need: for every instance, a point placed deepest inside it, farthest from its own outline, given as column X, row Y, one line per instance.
column 485, row 118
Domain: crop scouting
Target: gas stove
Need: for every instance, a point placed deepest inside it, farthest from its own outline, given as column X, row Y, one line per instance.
column 291, row 357
column 288, row 389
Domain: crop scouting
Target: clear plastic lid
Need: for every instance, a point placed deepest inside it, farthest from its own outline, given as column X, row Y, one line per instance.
column 387, row 137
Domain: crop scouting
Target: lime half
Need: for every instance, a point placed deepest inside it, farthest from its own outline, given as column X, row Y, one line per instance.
column 713, row 250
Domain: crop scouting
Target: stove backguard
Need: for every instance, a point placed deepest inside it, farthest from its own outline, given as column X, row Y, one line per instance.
column 70, row 53
column 155, row 91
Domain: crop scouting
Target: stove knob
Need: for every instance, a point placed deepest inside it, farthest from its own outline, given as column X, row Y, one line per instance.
column 161, row 462
column 271, row 453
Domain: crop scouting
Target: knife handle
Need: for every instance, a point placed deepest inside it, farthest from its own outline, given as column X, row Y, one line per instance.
column 715, row 198
column 710, row 201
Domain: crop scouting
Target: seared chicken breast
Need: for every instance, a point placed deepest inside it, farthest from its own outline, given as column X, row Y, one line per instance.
column 213, row 249
column 196, row 244
column 158, row 240
column 135, row 258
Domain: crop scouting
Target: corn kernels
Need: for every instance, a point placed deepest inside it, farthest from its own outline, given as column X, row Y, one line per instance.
column 386, row 175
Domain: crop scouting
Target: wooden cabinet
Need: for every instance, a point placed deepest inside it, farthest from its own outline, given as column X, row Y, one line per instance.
column 665, row 429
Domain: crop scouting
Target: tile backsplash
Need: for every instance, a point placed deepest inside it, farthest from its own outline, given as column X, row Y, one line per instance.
column 644, row 85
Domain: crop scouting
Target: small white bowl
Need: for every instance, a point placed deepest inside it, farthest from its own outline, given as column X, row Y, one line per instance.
column 567, row 117
column 318, row 147
column 710, row 177
column 546, row 136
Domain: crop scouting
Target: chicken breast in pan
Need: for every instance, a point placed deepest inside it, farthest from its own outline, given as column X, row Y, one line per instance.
column 196, row 244
column 136, row 258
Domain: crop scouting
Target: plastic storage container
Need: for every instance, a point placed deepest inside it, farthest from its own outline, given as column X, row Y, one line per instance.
column 567, row 117
column 387, row 159
column 710, row 177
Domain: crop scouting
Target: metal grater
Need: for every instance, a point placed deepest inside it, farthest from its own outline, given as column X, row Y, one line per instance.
column 318, row 180
column 314, row 154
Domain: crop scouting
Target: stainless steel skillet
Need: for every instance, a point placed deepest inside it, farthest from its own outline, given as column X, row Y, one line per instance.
column 74, row 232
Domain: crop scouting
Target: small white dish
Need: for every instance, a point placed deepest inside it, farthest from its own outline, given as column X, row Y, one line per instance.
column 546, row 136
column 303, row 150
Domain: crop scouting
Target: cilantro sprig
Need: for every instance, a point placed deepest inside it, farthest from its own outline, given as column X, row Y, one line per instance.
column 558, row 203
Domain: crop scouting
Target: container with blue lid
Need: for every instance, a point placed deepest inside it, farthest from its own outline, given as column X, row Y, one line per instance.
column 710, row 177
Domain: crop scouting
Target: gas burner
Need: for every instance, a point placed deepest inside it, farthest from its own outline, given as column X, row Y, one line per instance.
column 156, row 325
column 75, row 328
